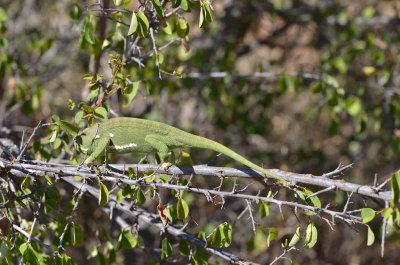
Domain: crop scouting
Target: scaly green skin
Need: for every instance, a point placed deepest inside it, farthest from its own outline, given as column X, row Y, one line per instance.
column 132, row 135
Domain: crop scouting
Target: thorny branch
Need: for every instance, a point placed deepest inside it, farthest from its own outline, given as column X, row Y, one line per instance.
column 204, row 170
column 20, row 169
column 153, row 219
column 115, row 174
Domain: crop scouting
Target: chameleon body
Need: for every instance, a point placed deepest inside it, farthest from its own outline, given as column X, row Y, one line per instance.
column 132, row 135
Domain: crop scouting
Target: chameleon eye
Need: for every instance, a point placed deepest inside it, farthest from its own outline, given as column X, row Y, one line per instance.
column 78, row 140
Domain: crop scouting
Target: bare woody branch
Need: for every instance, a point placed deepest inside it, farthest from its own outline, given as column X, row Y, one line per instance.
column 246, row 173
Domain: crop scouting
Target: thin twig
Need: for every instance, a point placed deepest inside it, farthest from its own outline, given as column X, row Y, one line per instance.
column 321, row 191
column 383, row 237
column 251, row 215
column 81, row 191
column 46, row 247
column 156, row 52
column 23, row 150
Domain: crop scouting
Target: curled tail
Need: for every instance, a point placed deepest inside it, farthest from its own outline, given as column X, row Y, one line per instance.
column 205, row 143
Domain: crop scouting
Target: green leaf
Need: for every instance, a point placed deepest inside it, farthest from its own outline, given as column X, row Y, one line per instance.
column 62, row 259
column 222, row 235
column 272, row 234
column 311, row 235
column 3, row 15
column 367, row 215
column 182, row 209
column 202, row 17
column 130, row 93
column 78, row 116
column 52, row 198
column 29, row 255
column 295, row 238
column 128, row 191
column 26, row 184
column 396, row 187
column 127, row 240
column 103, row 197
column 158, row 7
column 101, row 113
column 68, row 127
column 387, row 212
column 184, row 248
column 311, row 201
column 264, row 209
column 317, row 87
column 182, row 28
column 368, row 12
column 200, row 255
column 184, row 5
column 53, row 136
column 88, row 31
column 143, row 24
column 340, row 65
column 353, row 106
column 176, row 3
column 140, row 197
column 76, row 234
column 134, row 24
column 285, row 83
column 370, row 236
column 205, row 13
column 166, row 249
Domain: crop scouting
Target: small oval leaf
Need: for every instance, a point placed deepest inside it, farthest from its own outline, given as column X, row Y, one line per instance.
column 311, row 235
column 371, row 237
column 134, row 24
column 295, row 238
column 166, row 249
column 182, row 209
column 103, row 197
column 140, row 197
column 367, row 215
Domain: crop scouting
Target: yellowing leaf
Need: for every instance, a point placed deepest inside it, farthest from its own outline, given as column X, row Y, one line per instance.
column 311, row 235
column 272, row 234
column 371, row 237
column 134, row 24
column 368, row 70
column 295, row 238
column 103, row 197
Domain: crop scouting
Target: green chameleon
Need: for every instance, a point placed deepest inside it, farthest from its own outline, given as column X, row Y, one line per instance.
column 132, row 135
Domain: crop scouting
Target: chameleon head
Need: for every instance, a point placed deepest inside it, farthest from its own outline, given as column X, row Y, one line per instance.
column 84, row 142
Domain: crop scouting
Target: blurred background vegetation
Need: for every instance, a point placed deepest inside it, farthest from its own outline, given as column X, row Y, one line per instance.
column 296, row 85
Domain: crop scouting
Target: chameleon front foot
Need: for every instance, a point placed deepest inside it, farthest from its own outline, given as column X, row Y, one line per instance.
column 165, row 166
